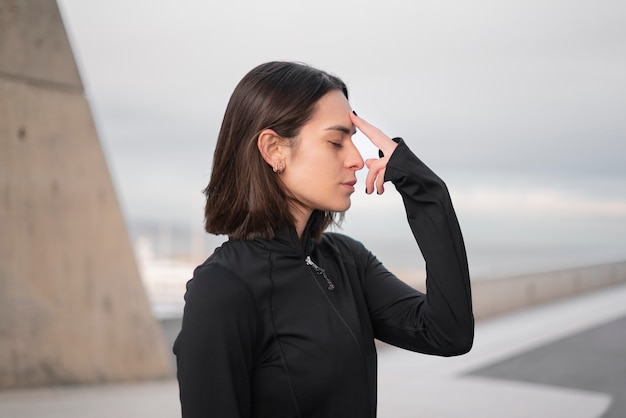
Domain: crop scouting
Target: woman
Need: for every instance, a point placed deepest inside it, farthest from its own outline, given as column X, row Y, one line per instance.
column 280, row 321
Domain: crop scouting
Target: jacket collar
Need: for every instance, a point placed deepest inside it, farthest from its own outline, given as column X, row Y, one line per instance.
column 286, row 239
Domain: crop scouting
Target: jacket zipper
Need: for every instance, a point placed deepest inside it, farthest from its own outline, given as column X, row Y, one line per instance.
column 319, row 271
column 331, row 286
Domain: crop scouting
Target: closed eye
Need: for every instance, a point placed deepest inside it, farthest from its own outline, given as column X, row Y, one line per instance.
column 336, row 144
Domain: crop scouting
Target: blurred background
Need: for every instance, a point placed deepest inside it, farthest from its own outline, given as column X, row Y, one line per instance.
column 518, row 106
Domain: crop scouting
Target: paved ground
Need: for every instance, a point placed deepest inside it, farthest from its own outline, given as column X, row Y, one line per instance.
column 565, row 359
column 468, row 386
column 593, row 360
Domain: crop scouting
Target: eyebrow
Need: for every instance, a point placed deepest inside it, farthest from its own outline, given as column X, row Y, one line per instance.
column 342, row 129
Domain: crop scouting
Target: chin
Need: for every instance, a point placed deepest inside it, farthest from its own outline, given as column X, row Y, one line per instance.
column 338, row 207
column 343, row 208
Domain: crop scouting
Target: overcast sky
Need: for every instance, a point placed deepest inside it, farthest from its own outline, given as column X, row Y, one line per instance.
column 520, row 106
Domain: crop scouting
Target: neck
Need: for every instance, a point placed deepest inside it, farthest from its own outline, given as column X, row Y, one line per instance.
column 301, row 218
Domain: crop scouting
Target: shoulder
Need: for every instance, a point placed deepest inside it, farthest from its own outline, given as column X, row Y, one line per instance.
column 215, row 287
column 337, row 238
column 342, row 244
column 219, row 309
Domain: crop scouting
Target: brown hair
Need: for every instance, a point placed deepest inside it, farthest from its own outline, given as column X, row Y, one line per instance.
column 244, row 198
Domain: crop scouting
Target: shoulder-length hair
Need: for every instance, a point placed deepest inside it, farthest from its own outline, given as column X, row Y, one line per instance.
column 245, row 198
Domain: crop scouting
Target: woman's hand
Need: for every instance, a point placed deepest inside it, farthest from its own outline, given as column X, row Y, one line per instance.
column 376, row 166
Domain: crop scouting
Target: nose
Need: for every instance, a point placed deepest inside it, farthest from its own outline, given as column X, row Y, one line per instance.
column 353, row 158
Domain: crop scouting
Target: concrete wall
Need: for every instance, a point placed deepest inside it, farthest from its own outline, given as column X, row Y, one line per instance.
column 499, row 296
column 72, row 306
column 504, row 295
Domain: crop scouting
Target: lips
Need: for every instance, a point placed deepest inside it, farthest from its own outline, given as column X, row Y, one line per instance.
column 349, row 185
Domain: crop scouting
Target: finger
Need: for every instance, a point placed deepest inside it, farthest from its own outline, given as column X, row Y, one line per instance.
column 375, row 166
column 374, row 134
column 380, row 181
column 384, row 144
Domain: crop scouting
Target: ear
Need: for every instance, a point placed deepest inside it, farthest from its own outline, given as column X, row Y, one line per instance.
column 271, row 147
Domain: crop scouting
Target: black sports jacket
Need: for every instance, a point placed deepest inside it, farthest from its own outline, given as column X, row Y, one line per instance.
column 277, row 328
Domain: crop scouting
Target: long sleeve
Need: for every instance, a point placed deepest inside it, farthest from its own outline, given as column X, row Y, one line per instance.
column 216, row 345
column 441, row 321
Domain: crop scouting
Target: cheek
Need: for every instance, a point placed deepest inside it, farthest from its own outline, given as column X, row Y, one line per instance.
column 314, row 167
column 311, row 162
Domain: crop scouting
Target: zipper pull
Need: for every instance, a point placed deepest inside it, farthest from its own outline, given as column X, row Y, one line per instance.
column 319, row 271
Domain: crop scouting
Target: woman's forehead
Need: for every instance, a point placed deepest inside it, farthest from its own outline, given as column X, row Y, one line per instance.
column 332, row 112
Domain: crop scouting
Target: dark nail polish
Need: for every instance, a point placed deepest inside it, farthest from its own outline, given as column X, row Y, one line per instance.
column 380, row 154
column 354, row 113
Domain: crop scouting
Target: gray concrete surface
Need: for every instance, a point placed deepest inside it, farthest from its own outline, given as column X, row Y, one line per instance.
column 502, row 295
column 415, row 385
column 594, row 361
column 522, row 365
column 72, row 305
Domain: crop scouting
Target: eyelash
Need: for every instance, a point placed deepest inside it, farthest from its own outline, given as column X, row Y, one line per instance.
column 336, row 144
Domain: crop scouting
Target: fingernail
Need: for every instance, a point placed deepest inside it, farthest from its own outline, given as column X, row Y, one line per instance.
column 354, row 113
column 365, row 189
column 380, row 154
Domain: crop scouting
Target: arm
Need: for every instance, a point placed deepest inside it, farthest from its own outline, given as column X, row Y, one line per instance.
column 215, row 348
column 440, row 321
